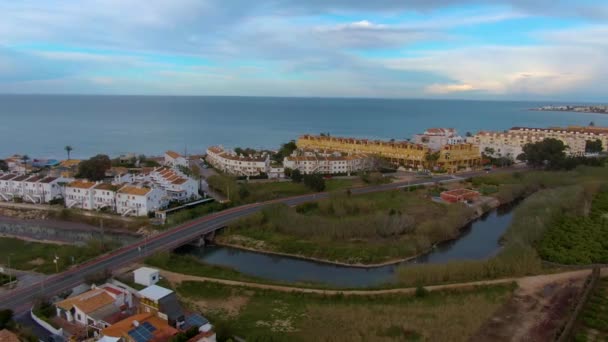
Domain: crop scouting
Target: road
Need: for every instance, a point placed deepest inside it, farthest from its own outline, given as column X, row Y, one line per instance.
column 20, row 300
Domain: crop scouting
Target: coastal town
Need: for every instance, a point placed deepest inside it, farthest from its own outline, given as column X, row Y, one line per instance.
column 128, row 188
column 602, row 109
column 131, row 305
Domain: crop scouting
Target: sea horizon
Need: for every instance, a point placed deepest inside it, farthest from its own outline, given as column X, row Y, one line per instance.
column 152, row 124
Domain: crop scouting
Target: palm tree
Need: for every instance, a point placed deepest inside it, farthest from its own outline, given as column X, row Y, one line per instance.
column 68, row 149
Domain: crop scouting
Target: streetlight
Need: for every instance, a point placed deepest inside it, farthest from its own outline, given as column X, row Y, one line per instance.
column 56, row 263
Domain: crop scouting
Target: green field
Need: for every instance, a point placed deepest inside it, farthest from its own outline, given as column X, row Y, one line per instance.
column 264, row 315
column 38, row 257
column 592, row 323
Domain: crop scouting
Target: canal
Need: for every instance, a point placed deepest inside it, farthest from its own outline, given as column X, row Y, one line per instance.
column 479, row 240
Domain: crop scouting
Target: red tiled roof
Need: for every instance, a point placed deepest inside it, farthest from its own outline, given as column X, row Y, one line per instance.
column 173, row 154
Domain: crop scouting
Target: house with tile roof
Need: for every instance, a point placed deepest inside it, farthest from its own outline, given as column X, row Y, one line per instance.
column 98, row 308
column 79, row 194
column 104, row 196
column 177, row 186
column 142, row 327
column 174, row 159
column 135, row 200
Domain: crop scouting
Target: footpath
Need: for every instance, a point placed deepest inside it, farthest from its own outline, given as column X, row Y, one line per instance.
column 528, row 283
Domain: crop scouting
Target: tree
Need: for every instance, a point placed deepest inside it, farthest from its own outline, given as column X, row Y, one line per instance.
column 285, row 151
column 548, row 152
column 25, row 158
column 296, row 176
column 468, row 134
column 3, row 165
column 432, row 159
column 591, row 124
column 593, row 146
column 94, row 169
column 314, row 182
column 69, row 150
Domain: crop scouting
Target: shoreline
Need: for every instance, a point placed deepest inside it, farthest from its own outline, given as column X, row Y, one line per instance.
column 389, row 262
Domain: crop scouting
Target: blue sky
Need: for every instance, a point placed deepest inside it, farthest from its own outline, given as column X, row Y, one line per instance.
column 494, row 49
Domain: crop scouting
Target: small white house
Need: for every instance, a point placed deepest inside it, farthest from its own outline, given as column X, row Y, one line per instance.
column 175, row 159
column 104, row 196
column 146, row 276
column 138, row 201
column 79, row 194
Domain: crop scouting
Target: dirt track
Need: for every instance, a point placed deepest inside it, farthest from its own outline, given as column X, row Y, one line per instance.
column 526, row 284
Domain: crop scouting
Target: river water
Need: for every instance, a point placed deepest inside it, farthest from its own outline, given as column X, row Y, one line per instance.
column 479, row 240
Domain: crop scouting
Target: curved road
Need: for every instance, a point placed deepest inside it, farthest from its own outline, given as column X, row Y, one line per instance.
column 21, row 300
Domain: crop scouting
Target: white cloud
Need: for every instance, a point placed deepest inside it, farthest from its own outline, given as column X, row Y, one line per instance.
column 448, row 88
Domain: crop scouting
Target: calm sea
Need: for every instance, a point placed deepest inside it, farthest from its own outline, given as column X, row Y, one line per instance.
column 41, row 126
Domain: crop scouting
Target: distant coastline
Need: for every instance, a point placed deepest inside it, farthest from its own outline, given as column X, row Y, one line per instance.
column 599, row 109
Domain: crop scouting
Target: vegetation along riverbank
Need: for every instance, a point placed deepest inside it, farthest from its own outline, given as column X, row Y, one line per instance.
column 365, row 230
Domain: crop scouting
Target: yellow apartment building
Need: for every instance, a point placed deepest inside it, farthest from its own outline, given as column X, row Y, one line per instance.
column 451, row 157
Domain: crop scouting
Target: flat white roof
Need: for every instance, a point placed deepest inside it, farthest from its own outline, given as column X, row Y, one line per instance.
column 146, row 270
column 155, row 292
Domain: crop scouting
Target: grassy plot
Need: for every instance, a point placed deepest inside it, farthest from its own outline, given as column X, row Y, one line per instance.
column 38, row 257
column 368, row 228
column 264, row 315
column 592, row 323
column 241, row 193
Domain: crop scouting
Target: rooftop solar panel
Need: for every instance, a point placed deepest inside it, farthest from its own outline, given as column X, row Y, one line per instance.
column 149, row 327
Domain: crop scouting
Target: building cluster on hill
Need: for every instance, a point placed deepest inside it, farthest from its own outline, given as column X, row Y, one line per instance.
column 116, row 312
column 126, row 192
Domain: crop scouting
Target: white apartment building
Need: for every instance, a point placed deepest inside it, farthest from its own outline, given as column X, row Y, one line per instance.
column 435, row 138
column 79, row 194
column 174, row 159
column 138, row 201
column 229, row 162
column 104, row 196
column 176, row 185
column 510, row 143
column 32, row 188
column 7, row 191
column 309, row 162
column 575, row 137
column 44, row 189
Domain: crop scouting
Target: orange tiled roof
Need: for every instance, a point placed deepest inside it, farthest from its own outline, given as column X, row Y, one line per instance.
column 81, row 184
column 122, row 328
column 88, row 301
column 131, row 190
column 106, row 186
column 70, row 163
column 8, row 336
column 173, row 154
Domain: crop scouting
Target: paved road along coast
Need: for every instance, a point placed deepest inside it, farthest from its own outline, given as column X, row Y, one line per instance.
column 20, row 300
